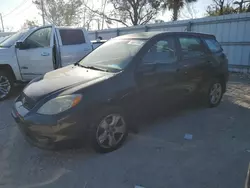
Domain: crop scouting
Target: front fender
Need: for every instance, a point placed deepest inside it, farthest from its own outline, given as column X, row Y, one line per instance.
column 8, row 58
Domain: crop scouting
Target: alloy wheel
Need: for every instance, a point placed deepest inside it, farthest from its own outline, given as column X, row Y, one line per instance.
column 111, row 131
column 5, row 86
column 215, row 93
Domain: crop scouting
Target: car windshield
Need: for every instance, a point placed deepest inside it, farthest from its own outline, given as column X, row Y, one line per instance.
column 113, row 55
column 12, row 39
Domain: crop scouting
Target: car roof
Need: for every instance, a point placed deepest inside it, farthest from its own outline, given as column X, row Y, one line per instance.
column 141, row 35
column 149, row 35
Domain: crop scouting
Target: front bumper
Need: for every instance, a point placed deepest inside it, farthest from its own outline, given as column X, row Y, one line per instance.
column 49, row 132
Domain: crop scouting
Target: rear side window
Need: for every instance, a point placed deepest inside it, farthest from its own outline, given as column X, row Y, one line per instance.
column 213, row 45
column 72, row 36
column 191, row 47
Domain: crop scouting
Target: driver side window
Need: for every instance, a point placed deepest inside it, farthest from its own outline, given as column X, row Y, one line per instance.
column 163, row 51
column 39, row 39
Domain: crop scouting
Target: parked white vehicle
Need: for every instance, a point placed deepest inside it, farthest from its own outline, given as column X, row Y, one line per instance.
column 97, row 43
column 3, row 38
column 34, row 52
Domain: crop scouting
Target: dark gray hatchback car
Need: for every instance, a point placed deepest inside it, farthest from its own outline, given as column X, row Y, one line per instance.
column 92, row 100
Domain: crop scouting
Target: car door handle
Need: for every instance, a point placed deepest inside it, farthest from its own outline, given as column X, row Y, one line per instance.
column 24, row 67
column 45, row 54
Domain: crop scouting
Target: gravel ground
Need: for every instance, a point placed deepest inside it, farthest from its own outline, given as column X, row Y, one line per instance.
column 157, row 157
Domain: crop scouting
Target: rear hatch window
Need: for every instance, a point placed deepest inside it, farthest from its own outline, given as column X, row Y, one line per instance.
column 213, row 45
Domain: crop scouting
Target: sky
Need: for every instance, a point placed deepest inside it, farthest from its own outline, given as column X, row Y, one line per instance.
column 15, row 12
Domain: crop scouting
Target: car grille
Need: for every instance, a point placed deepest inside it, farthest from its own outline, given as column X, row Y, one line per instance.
column 27, row 101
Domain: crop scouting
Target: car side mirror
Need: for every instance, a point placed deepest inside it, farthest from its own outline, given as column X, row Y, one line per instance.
column 21, row 45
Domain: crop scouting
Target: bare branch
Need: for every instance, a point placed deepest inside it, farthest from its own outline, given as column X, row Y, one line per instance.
column 136, row 11
column 106, row 17
column 147, row 20
column 149, row 15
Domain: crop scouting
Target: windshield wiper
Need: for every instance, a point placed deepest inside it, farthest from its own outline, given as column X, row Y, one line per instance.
column 92, row 67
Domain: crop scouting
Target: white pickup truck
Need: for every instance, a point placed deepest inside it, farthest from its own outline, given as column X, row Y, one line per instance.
column 33, row 52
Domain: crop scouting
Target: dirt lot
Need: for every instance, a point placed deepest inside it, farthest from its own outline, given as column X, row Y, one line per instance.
column 157, row 157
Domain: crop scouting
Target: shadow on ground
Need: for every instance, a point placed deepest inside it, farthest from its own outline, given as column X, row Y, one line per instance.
column 17, row 90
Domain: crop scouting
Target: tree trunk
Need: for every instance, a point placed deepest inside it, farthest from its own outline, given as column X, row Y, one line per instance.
column 221, row 10
column 221, row 7
column 241, row 6
column 175, row 11
column 175, row 15
column 103, row 12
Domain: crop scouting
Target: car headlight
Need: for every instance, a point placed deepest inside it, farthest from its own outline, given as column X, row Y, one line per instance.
column 59, row 104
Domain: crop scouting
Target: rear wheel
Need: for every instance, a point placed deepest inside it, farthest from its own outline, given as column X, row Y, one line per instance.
column 6, row 85
column 109, row 132
column 215, row 93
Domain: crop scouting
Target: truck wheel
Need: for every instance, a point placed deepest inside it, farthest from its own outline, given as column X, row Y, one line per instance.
column 6, row 85
column 109, row 130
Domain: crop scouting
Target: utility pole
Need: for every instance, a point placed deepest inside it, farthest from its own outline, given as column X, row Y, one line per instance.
column 84, row 17
column 103, row 13
column 1, row 18
column 43, row 12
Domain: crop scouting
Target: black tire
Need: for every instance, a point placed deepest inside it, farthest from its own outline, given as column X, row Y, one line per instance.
column 210, row 102
column 94, row 130
column 9, row 77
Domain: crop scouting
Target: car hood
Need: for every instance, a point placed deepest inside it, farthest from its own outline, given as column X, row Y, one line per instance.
column 63, row 79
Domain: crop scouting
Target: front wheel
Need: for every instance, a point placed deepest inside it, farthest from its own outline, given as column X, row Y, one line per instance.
column 109, row 132
column 215, row 94
column 6, row 85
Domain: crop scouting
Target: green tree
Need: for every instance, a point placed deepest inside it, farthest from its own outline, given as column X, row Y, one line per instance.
column 176, row 6
column 131, row 12
column 90, row 18
column 29, row 23
column 222, row 7
column 243, row 5
column 61, row 12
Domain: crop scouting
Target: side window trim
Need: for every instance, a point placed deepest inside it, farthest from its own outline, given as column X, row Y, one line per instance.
column 58, row 36
column 177, row 47
column 51, row 37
